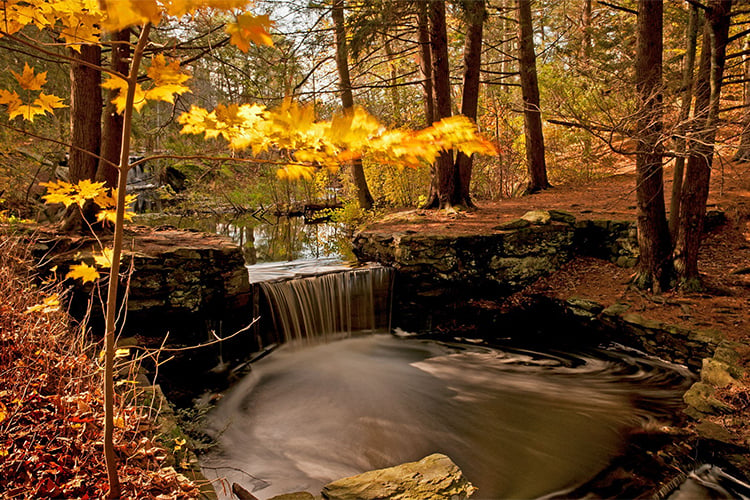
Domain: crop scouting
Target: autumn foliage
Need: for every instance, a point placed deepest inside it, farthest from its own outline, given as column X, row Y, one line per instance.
column 51, row 402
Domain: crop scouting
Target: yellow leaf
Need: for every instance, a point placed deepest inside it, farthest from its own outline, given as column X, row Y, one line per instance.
column 26, row 111
column 250, row 28
column 59, row 192
column 119, row 422
column 117, row 83
column 11, row 99
column 80, row 28
column 83, row 271
column 105, row 258
column 3, row 412
column 122, row 353
column 48, row 305
column 163, row 72
column 178, row 8
column 49, row 102
column 123, row 13
column 28, row 80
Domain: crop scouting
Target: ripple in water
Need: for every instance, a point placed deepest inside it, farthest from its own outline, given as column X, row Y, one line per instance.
column 519, row 424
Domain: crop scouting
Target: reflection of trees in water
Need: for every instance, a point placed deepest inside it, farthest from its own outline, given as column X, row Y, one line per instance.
column 281, row 239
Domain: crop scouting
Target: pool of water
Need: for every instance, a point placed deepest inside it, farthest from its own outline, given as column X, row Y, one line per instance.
column 270, row 239
column 520, row 424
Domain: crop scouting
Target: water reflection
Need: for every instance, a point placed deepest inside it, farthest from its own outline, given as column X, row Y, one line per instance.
column 273, row 239
column 519, row 424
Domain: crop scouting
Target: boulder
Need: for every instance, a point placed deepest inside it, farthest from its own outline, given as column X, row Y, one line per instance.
column 433, row 477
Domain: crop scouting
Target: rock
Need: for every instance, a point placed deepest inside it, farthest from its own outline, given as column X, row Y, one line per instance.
column 716, row 373
column 585, row 305
column 727, row 355
column 537, row 217
column 616, row 309
column 512, row 224
column 297, row 495
column 701, row 397
column 434, row 477
column 710, row 430
column 560, row 216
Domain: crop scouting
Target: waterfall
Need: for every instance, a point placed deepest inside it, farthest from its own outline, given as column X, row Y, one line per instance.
column 335, row 304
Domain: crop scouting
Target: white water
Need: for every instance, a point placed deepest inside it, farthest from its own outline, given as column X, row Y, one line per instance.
column 520, row 425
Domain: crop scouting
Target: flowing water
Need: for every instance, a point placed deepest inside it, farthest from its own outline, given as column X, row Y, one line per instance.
column 519, row 424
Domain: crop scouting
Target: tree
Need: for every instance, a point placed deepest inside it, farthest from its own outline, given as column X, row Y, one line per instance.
column 687, row 98
column 291, row 130
column 653, row 234
column 475, row 14
column 85, row 124
column 347, row 100
column 743, row 151
column 532, row 110
column 443, row 179
column 706, row 119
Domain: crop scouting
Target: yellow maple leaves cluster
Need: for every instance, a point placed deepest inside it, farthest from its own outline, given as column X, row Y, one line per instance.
column 79, row 22
column 167, row 79
column 311, row 144
column 106, row 199
column 30, row 82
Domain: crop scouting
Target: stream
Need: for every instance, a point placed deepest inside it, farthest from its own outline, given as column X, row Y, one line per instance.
column 520, row 424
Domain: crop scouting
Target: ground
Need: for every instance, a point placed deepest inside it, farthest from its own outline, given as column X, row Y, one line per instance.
column 724, row 259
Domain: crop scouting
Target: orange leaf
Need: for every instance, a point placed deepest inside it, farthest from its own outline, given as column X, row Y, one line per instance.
column 28, row 80
column 250, row 28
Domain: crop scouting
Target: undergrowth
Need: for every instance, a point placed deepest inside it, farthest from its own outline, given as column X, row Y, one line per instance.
column 51, row 414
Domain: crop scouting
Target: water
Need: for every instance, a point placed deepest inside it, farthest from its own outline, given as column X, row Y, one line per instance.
column 333, row 304
column 519, row 424
column 270, row 239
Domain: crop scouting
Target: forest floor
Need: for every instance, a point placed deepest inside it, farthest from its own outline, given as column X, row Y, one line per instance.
column 724, row 304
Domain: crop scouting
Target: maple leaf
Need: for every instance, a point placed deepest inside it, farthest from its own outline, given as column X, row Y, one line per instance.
column 26, row 111
column 120, row 84
column 123, row 13
column 79, row 29
column 59, row 192
column 163, row 72
column 48, row 305
column 250, row 28
column 10, row 99
column 28, row 80
column 178, row 8
column 87, row 190
column 83, row 271
column 105, row 258
column 49, row 102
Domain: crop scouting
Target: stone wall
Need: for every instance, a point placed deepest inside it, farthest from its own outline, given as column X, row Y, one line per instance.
column 515, row 255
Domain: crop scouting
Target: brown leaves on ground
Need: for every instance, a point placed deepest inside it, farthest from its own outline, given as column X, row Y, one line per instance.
column 51, row 403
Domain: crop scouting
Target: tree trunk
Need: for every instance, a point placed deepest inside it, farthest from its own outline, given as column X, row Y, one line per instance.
column 85, row 127
column 532, row 114
column 342, row 64
column 743, row 152
column 680, row 141
column 653, row 233
column 442, row 185
column 425, row 61
column 698, row 168
column 586, row 44
column 395, row 100
column 475, row 14
column 112, row 121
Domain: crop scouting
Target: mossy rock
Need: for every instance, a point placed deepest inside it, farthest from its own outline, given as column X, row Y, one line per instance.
column 434, row 477
column 701, row 398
